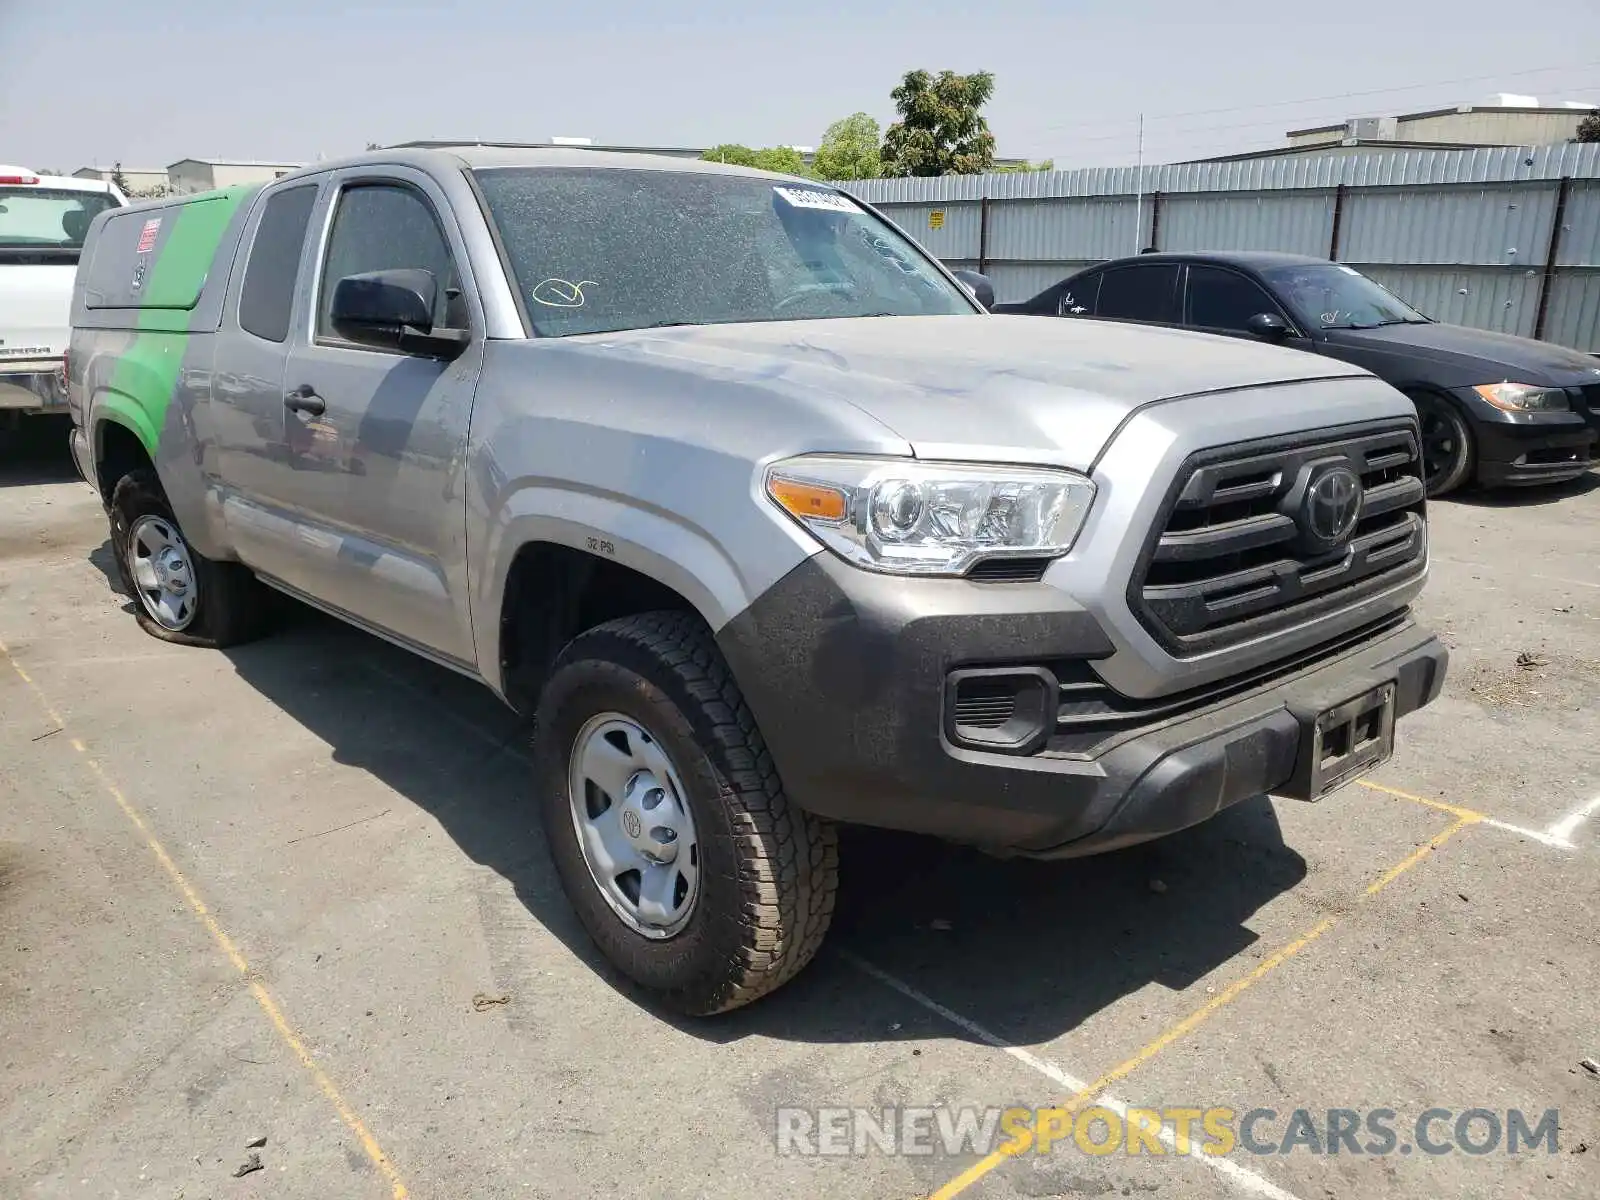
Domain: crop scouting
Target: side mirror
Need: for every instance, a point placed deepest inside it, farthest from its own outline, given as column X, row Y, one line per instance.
column 393, row 310
column 1269, row 327
column 982, row 290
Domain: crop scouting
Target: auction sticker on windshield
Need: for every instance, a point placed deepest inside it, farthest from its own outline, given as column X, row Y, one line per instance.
column 810, row 198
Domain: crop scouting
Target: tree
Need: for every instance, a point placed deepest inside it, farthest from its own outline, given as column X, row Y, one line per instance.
column 940, row 130
column 784, row 159
column 1589, row 128
column 120, row 181
column 851, row 149
column 1021, row 168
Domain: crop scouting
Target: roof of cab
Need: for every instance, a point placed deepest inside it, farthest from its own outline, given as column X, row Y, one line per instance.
column 1258, row 260
column 477, row 157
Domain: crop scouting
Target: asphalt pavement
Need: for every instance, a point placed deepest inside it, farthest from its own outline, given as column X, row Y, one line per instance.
column 296, row 891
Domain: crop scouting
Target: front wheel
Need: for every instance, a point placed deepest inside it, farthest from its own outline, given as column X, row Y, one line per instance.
column 687, row 864
column 1447, row 449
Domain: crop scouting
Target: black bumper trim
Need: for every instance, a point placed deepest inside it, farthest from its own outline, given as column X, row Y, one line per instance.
column 1505, row 448
column 845, row 672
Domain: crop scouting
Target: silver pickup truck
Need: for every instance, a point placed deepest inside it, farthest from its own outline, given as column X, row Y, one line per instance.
column 758, row 513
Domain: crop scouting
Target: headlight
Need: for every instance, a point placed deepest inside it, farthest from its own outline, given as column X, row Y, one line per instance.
column 927, row 518
column 1523, row 397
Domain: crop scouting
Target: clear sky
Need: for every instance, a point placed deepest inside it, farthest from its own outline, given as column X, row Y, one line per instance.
column 148, row 82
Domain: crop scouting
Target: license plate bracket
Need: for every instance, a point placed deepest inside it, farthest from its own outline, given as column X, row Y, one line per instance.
column 1343, row 741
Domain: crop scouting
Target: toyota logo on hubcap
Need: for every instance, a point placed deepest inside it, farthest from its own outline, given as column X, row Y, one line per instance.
column 631, row 824
column 1332, row 506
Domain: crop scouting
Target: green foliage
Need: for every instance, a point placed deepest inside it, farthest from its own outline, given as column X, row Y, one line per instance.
column 784, row 159
column 1589, row 128
column 1020, row 168
column 731, row 152
column 851, row 149
column 940, row 131
column 120, row 181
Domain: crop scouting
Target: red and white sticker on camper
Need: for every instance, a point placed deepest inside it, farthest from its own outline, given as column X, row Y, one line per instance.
column 147, row 236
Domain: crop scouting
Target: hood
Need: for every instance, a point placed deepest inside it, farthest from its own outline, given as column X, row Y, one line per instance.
column 1019, row 388
column 35, row 310
column 1477, row 355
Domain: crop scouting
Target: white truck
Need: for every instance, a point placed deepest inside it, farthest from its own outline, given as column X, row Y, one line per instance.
column 43, row 222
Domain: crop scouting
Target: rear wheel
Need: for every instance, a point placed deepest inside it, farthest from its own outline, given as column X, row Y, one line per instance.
column 669, row 828
column 179, row 594
column 1447, row 447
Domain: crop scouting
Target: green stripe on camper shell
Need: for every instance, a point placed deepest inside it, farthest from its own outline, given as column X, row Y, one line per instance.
column 147, row 373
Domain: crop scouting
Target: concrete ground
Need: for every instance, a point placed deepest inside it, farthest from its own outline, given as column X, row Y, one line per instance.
column 295, row 892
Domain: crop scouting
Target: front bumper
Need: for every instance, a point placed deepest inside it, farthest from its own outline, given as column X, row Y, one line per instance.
column 33, row 387
column 1528, row 448
column 848, row 676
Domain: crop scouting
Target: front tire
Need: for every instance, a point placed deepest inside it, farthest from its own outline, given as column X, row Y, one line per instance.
column 179, row 595
column 1448, row 452
column 688, row 866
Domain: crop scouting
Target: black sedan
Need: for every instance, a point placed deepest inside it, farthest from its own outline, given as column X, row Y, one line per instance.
column 1493, row 408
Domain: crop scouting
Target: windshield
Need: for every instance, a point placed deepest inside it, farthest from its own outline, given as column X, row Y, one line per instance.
column 35, row 218
column 598, row 250
column 1330, row 296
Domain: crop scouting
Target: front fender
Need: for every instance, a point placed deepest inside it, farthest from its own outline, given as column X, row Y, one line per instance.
column 661, row 545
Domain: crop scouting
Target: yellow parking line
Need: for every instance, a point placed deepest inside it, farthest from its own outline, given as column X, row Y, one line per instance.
column 1455, row 810
column 1200, row 1015
column 263, row 997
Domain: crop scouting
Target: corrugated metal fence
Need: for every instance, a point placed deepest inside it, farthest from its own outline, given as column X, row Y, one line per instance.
column 1505, row 239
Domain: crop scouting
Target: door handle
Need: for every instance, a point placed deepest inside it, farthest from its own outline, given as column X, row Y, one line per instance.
column 304, row 399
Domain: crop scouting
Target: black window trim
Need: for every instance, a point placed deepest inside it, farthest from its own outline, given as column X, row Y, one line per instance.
column 1229, row 268
column 267, row 197
column 350, row 183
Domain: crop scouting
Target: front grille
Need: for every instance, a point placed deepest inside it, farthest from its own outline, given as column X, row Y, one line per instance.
column 1090, row 714
column 1233, row 557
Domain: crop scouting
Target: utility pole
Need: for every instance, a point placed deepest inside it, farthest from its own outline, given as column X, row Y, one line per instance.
column 1138, row 194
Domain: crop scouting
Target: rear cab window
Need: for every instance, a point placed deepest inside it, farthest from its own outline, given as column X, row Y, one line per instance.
column 267, row 299
column 40, row 224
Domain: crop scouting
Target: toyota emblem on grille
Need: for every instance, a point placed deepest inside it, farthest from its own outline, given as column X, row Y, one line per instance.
column 1332, row 505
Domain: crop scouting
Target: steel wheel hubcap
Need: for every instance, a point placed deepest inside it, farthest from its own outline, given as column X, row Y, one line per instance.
column 163, row 575
column 634, row 825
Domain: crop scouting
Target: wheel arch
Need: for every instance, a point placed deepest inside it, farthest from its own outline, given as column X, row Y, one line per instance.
column 119, row 444
column 552, row 592
column 1416, row 392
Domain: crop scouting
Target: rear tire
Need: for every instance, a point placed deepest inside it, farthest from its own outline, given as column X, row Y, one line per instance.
column 1448, row 451
column 179, row 595
column 765, row 871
